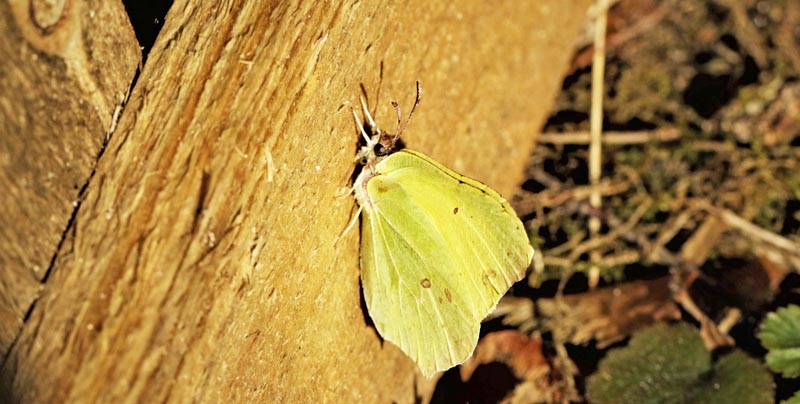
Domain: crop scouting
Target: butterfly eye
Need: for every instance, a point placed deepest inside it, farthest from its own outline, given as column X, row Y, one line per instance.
column 381, row 150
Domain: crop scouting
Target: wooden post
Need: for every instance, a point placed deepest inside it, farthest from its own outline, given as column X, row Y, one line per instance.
column 201, row 264
column 65, row 68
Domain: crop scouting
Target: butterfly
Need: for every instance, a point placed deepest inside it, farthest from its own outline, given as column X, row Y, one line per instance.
column 438, row 249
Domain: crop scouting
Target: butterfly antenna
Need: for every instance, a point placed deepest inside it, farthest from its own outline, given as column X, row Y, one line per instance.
column 400, row 129
column 378, row 93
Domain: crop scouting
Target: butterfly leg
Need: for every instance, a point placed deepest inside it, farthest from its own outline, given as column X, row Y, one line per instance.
column 349, row 226
column 368, row 116
column 361, row 128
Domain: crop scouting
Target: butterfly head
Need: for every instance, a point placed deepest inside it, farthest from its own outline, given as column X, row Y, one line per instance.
column 378, row 143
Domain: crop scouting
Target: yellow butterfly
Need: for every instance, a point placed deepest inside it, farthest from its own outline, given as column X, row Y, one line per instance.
column 438, row 250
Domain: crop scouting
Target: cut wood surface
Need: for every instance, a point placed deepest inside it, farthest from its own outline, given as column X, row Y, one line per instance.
column 65, row 67
column 202, row 263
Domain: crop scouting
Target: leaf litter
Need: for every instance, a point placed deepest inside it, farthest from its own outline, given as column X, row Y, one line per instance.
column 700, row 188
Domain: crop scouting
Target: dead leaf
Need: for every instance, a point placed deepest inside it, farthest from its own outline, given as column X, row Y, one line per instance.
column 520, row 352
column 610, row 314
column 523, row 356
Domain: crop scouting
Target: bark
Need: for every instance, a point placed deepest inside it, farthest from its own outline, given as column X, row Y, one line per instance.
column 202, row 263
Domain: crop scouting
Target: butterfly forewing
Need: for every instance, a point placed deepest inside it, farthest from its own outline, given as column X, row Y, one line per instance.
column 438, row 251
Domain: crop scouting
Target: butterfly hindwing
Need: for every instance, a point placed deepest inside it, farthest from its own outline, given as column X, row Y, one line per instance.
column 398, row 286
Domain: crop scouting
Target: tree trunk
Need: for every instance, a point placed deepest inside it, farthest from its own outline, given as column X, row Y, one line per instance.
column 201, row 263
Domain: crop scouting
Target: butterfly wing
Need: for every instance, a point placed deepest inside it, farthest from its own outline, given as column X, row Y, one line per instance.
column 438, row 251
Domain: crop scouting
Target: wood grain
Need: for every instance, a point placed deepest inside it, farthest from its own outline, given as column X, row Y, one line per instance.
column 203, row 265
column 62, row 75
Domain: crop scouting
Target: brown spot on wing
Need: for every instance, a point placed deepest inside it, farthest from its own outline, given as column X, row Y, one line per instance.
column 485, row 280
column 426, row 283
column 448, row 295
column 381, row 189
column 455, row 210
